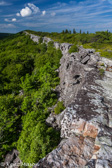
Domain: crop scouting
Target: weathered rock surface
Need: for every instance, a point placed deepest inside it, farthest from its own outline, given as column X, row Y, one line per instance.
column 46, row 40
column 12, row 160
column 86, row 123
column 69, row 153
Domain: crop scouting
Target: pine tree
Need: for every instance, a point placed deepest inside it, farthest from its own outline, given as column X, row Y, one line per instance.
column 66, row 31
column 63, row 31
column 74, row 31
column 70, row 32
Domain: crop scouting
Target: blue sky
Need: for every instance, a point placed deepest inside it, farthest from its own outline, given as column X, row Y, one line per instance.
column 55, row 15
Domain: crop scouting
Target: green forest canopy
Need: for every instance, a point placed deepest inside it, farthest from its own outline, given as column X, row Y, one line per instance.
column 27, row 76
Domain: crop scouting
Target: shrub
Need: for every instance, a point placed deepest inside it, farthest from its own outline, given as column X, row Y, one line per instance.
column 102, row 64
column 28, row 67
column 102, row 71
column 74, row 48
column 40, row 40
column 59, row 108
column 51, row 44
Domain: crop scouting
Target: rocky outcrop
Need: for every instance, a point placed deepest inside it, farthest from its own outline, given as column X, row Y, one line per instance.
column 11, row 160
column 86, row 123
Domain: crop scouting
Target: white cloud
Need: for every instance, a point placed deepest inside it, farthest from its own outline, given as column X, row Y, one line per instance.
column 70, row 15
column 18, row 14
column 14, row 20
column 43, row 13
column 28, row 10
column 25, row 12
column 11, row 26
column 34, row 8
column 6, row 20
column 53, row 14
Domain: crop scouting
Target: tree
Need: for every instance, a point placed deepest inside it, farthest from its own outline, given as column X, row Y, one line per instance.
column 80, row 32
column 69, row 31
column 66, row 31
column 74, row 31
column 63, row 31
column 10, row 122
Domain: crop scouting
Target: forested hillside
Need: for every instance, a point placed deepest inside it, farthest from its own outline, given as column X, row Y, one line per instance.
column 3, row 35
column 27, row 83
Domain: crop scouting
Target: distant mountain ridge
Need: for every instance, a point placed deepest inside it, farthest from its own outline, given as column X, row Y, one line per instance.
column 3, row 35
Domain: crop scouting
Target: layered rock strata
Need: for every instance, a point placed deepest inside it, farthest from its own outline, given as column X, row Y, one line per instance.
column 86, row 123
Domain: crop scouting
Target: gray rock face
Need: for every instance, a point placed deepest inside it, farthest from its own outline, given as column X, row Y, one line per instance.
column 86, row 123
column 69, row 153
column 12, row 160
column 46, row 40
column 85, row 60
column 56, row 45
column 64, row 47
column 33, row 37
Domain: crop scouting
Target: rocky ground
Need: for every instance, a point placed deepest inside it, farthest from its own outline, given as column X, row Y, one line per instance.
column 86, row 123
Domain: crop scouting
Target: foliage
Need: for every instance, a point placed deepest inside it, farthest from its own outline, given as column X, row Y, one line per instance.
column 10, row 119
column 27, row 75
column 101, row 41
column 102, row 64
column 73, row 48
column 40, row 40
column 101, row 71
column 59, row 108
column 37, row 139
column 27, row 80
